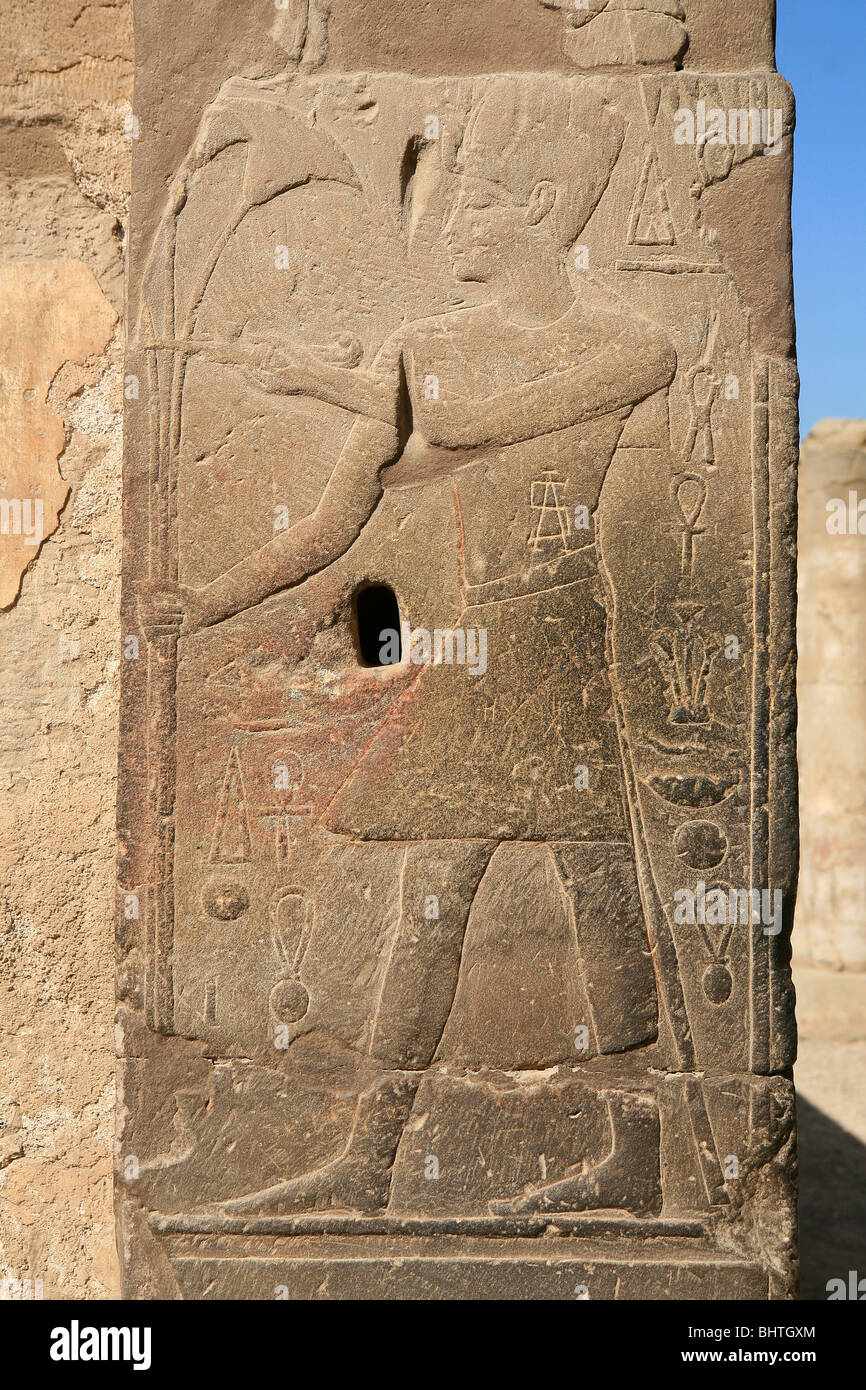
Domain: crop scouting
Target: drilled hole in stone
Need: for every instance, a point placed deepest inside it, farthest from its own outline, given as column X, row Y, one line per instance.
column 377, row 625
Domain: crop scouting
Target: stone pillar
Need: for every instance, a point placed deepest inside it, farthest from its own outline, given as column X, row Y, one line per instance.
column 831, row 681
column 444, row 932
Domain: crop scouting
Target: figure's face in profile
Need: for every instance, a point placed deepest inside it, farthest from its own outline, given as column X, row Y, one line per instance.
column 485, row 228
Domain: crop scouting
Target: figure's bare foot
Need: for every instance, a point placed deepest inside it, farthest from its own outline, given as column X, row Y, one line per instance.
column 627, row 1180
column 601, row 1189
column 347, row 1184
column 360, row 1179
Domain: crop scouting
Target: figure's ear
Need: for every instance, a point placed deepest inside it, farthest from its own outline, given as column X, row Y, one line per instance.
column 541, row 200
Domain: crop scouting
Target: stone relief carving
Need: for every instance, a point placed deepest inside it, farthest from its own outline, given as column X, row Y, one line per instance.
column 409, row 931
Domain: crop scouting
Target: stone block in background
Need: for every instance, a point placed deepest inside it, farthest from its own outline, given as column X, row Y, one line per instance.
column 831, row 623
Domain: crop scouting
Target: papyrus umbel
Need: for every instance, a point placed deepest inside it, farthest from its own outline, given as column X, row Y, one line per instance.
column 457, row 772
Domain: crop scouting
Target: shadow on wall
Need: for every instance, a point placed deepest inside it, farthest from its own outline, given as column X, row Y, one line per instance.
column 832, row 1201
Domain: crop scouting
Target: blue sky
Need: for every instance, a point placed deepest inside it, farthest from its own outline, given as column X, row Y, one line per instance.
column 821, row 50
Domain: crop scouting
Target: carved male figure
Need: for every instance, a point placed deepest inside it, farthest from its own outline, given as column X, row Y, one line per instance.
column 533, row 388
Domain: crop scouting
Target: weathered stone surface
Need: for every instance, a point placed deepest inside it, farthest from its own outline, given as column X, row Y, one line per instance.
column 51, row 312
column 65, row 83
column 424, row 988
column 831, row 907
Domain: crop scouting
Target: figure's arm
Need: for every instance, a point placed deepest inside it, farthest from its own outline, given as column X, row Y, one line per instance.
column 634, row 361
column 315, row 541
column 303, row 374
column 286, row 370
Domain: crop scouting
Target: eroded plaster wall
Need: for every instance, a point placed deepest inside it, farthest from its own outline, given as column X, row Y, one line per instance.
column 65, row 131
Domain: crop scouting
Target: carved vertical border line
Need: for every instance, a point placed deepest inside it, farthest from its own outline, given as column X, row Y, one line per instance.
column 759, row 1009
column 152, row 905
column 162, row 637
column 162, row 728
column 783, row 843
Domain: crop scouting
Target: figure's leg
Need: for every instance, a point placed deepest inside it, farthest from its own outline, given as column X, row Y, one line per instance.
column 437, row 885
column 614, row 951
column 600, row 882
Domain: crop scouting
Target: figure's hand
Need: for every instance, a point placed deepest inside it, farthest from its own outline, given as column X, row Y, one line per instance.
column 280, row 354
column 267, row 351
column 331, row 372
column 173, row 609
column 220, row 599
column 276, row 365
column 196, row 611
